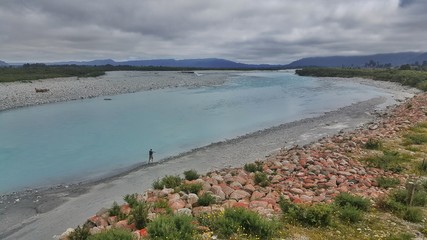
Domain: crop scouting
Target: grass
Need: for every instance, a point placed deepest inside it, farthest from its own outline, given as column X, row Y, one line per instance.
column 389, row 161
column 411, row 78
column 113, row 234
column 373, row 144
column 190, row 188
column 172, row 227
column 346, row 199
column 206, row 199
column 239, row 223
column 386, row 182
column 261, row 179
column 253, row 167
column 191, row 175
column 167, row 182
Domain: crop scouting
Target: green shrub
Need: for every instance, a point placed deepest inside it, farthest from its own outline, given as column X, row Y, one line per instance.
column 191, row 175
column 139, row 215
column 253, row 167
column 236, row 221
column 413, row 214
column 261, row 179
column 80, row 233
column 318, row 215
column 113, row 234
column 167, row 182
column 391, row 205
column 389, row 161
column 350, row 214
column 419, row 198
column 401, row 236
column 416, row 138
column 171, row 227
column 346, row 199
column 373, row 144
column 386, row 182
column 206, row 199
column 422, row 166
column 191, row 188
column 131, row 199
column 114, row 210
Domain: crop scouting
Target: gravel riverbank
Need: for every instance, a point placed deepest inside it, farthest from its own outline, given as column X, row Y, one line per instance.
column 43, row 213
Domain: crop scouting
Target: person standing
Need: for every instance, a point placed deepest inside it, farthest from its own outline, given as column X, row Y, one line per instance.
column 150, row 155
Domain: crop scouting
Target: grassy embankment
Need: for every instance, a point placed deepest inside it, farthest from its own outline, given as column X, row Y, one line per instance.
column 30, row 72
column 411, row 78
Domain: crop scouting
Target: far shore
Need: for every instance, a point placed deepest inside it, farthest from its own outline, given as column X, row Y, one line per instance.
column 43, row 213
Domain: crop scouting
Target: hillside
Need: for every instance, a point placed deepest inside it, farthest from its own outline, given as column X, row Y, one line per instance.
column 394, row 59
column 3, row 64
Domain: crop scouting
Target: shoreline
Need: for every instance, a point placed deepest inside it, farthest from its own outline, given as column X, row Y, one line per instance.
column 37, row 209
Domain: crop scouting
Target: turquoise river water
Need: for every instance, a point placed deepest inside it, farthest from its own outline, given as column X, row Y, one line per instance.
column 81, row 140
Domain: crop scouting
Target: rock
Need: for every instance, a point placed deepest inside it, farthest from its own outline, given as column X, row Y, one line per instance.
column 185, row 211
column 296, row 191
column 226, row 189
column 239, row 194
column 217, row 190
column 95, row 230
column 236, row 185
column 65, row 234
column 177, row 204
column 200, row 210
column 192, row 198
column 257, row 195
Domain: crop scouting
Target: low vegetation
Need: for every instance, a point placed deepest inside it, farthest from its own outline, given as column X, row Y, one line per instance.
column 411, row 78
column 167, row 182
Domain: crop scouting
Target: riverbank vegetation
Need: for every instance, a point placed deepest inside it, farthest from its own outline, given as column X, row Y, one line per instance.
column 413, row 78
column 30, row 72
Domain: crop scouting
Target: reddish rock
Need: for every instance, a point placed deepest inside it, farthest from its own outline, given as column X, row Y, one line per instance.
column 296, row 191
column 239, row 194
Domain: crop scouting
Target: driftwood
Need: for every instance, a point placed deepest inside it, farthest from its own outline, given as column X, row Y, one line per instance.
column 42, row 90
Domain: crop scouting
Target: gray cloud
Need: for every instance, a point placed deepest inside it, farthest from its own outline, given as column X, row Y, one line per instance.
column 270, row 31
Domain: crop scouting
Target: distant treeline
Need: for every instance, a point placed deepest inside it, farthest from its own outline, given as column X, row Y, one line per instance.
column 411, row 78
column 42, row 71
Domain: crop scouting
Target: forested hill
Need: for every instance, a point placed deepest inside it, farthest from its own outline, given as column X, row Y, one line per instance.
column 377, row 60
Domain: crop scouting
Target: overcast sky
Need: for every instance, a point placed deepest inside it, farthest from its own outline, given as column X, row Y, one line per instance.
column 250, row 31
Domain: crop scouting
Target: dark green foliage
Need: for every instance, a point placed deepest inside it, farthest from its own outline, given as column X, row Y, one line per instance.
column 139, row 215
column 114, row 210
column 401, row 236
column 191, row 188
column 416, row 138
column 405, row 77
column 171, row 227
column 237, row 221
column 206, row 199
column 422, row 166
column 167, row 182
column 390, row 161
column 191, row 175
column 373, row 144
column 413, row 214
column 261, row 179
column 346, row 199
column 80, row 233
column 113, row 234
column 386, row 182
column 131, row 199
column 319, row 215
column 350, row 214
column 253, row 167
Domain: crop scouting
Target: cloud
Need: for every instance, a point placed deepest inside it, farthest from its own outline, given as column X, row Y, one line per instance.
column 270, row 31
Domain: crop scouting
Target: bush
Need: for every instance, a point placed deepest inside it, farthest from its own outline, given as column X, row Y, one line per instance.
column 385, row 182
column 253, row 167
column 346, row 199
column 191, row 175
column 401, row 236
column 139, row 215
column 420, row 198
column 114, row 210
column 113, row 234
column 167, row 182
column 206, row 199
column 131, row 199
column 422, row 166
column 373, row 144
column 416, row 138
column 319, row 215
column 350, row 214
column 413, row 214
column 389, row 161
column 236, row 221
column 80, row 233
column 191, row 188
column 261, row 179
column 171, row 227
